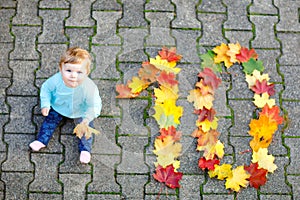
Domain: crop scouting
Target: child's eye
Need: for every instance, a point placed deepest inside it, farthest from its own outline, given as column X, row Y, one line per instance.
column 68, row 70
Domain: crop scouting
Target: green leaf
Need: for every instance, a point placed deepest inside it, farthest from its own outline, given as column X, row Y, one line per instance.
column 251, row 65
column 208, row 61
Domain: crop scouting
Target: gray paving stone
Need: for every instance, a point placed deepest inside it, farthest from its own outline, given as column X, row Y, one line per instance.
column 211, row 29
column 185, row 14
column 53, row 26
column 293, row 113
column 54, row 4
column 290, row 43
column 289, row 15
column 16, row 184
column 5, row 48
column 74, row 185
column 248, row 193
column 223, row 126
column 105, row 142
column 20, row 115
column 161, row 196
column 188, row 119
column 104, row 196
column 23, row 78
column 241, row 144
column 157, row 5
column 105, row 62
column 187, row 78
column 17, row 153
column 187, row 44
column 294, row 180
column 26, row 13
column 80, row 37
column 237, row 15
column 132, row 160
column 46, row 169
column 133, row 14
column 214, row 186
column 132, row 185
column 107, row 5
column 80, row 14
column 5, row 15
column 104, row 174
column 294, row 165
column 154, row 132
column 292, row 84
column 133, row 45
column 106, row 27
column 263, row 7
column 212, row 6
column 38, row 196
column 7, row 4
column 159, row 29
column 218, row 197
column 132, row 117
column 5, row 82
column 264, row 31
column 3, row 120
column 50, row 56
column 277, row 148
column 192, row 184
column 220, row 102
column 273, row 196
column 242, row 37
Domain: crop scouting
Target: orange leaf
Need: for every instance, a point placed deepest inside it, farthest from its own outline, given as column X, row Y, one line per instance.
column 167, row 79
column 125, row 92
column 169, row 54
column 222, row 56
column 272, row 113
column 148, row 72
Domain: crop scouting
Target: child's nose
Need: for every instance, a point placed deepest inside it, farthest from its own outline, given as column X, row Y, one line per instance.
column 74, row 74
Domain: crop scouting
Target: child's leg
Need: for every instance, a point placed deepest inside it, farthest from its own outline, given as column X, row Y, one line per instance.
column 47, row 129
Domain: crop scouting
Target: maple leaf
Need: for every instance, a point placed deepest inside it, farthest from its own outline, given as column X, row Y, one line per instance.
column 258, row 176
column 251, row 65
column 171, row 131
column 125, row 92
column 222, row 56
column 262, row 100
column 169, row 54
column 208, row 61
column 137, row 84
column 262, row 87
column 204, row 89
column 264, row 160
column 206, row 125
column 163, row 64
column 245, row 55
column 256, row 75
column 210, row 78
column 148, row 72
column 221, row 171
column 84, row 130
column 200, row 101
column 164, row 93
column 272, row 113
column 239, row 178
column 234, row 49
column 208, row 164
column 167, row 79
column 168, row 176
column 205, row 113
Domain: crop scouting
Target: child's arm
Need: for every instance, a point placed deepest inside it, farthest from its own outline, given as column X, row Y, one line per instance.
column 45, row 95
column 94, row 105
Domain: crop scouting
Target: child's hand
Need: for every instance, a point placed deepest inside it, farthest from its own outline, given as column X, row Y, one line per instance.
column 45, row 111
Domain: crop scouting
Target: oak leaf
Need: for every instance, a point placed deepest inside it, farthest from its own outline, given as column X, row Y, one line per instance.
column 262, row 87
column 221, row 171
column 264, row 160
column 239, row 178
column 208, row 164
column 125, row 92
column 222, row 56
column 207, row 61
column 258, row 176
column 168, row 176
column 261, row 100
column 210, row 78
column 169, row 54
column 245, row 54
column 251, row 65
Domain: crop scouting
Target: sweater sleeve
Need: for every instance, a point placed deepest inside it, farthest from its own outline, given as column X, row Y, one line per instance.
column 46, row 92
column 93, row 102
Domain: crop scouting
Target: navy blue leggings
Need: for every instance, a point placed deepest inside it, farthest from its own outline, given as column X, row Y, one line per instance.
column 52, row 121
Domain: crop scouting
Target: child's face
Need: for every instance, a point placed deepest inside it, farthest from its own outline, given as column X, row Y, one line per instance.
column 73, row 74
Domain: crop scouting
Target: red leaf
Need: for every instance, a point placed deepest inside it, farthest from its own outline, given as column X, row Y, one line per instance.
column 245, row 55
column 169, row 54
column 208, row 164
column 210, row 78
column 204, row 114
column 258, row 176
column 124, row 92
column 170, row 131
column 272, row 113
column 168, row 176
column 262, row 87
column 167, row 78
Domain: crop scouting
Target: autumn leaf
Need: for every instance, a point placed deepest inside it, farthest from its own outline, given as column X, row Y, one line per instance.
column 245, row 55
column 264, row 160
column 206, row 125
column 137, row 84
column 163, row 64
column 204, row 89
column 273, row 113
column 148, row 72
column 262, row 87
column 84, row 130
column 204, row 114
column 210, row 78
column 261, row 100
column 168, row 176
column 164, row 93
column 208, row 61
column 200, row 101
column 239, row 178
column 256, row 75
column 167, row 79
column 258, row 176
column 170, row 131
column 125, row 92
column 234, row 49
column 169, row 54
column 222, row 56
column 251, row 65
column 208, row 164
column 221, row 171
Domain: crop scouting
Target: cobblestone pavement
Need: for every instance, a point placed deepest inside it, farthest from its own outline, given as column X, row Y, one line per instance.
column 121, row 34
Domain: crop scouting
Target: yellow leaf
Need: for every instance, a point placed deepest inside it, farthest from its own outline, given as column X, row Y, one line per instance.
column 256, row 75
column 219, row 149
column 200, row 100
column 222, row 56
column 221, row 171
column 239, row 178
column 206, row 125
column 137, row 84
column 264, row 160
column 163, row 64
column 164, row 93
column 234, row 49
column 261, row 100
column 84, row 130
